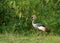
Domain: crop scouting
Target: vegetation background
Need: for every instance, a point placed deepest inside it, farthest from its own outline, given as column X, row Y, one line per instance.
column 15, row 16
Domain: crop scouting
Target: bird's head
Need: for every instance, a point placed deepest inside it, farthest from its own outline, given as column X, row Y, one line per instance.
column 33, row 17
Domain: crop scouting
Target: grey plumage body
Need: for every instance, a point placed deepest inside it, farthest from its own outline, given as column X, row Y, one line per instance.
column 37, row 25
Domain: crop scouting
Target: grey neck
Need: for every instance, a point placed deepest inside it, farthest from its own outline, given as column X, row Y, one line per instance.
column 33, row 21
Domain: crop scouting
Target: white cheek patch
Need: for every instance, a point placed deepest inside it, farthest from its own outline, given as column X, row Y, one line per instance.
column 41, row 28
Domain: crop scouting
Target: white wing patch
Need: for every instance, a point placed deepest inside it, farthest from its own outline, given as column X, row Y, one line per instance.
column 41, row 28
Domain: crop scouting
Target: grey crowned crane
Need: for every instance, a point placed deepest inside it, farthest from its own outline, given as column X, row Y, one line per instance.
column 39, row 26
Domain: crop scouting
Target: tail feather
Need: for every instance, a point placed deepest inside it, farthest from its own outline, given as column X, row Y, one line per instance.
column 47, row 30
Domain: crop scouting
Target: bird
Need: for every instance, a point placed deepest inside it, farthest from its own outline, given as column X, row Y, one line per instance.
column 38, row 25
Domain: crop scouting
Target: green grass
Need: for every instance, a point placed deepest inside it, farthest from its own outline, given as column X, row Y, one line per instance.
column 15, row 38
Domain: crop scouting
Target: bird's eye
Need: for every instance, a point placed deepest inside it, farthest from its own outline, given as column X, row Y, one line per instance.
column 32, row 17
